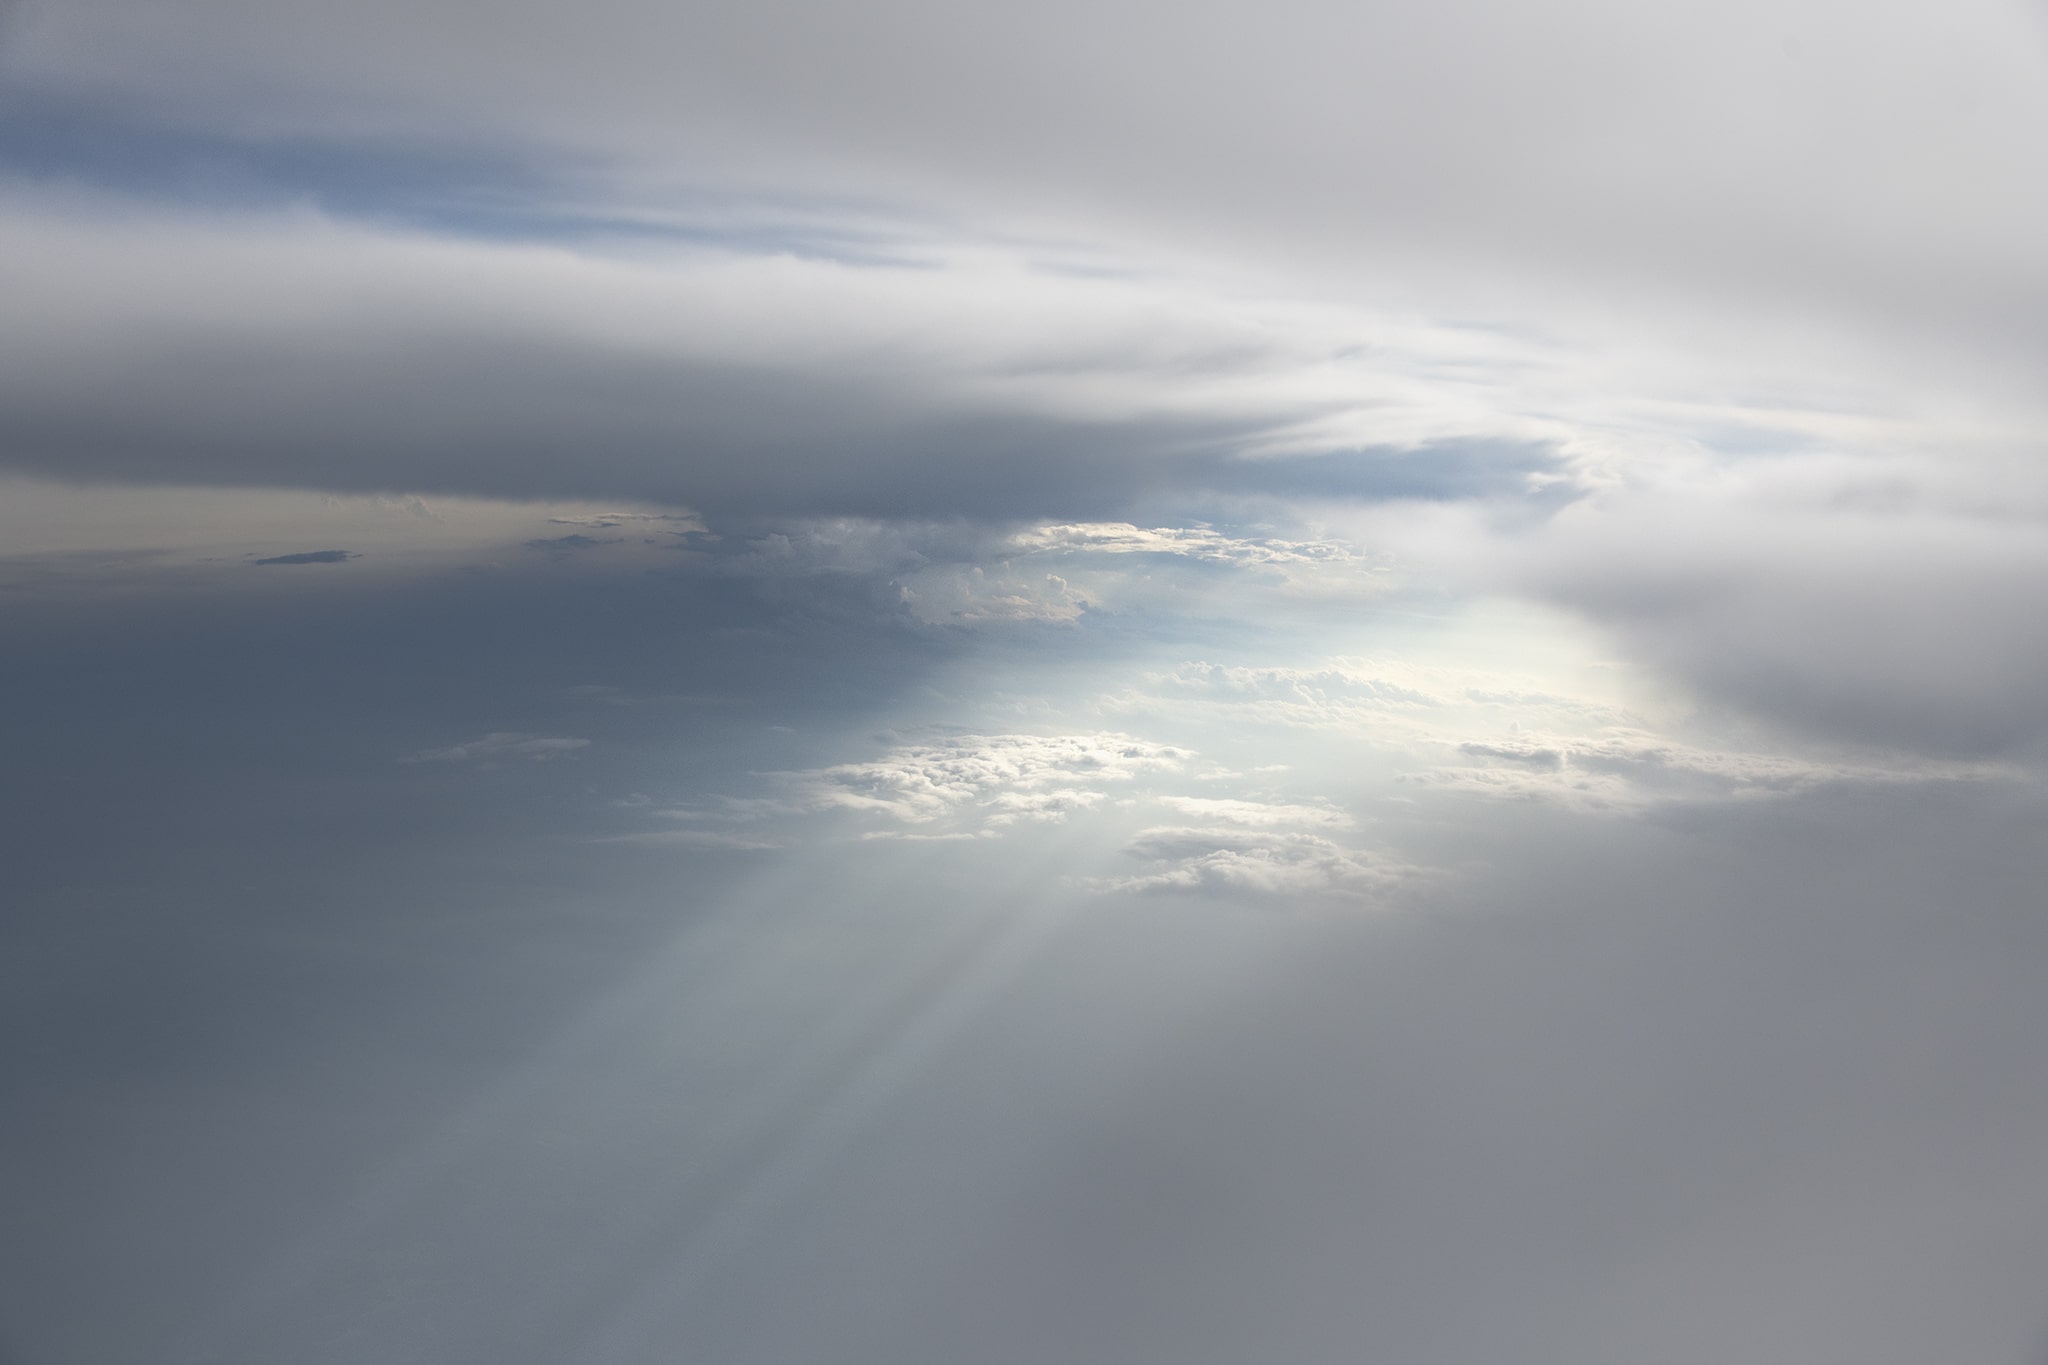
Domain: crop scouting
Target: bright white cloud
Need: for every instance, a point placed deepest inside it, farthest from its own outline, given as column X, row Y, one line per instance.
column 1655, row 157
column 1191, row 542
column 992, row 779
column 1256, row 814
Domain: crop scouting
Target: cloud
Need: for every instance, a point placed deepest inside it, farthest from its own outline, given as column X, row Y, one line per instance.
column 612, row 520
column 570, row 543
column 967, row 573
column 1514, row 735
column 1619, row 769
column 1875, row 604
column 973, row 595
column 311, row 557
column 991, row 780
column 372, row 357
column 1478, row 143
column 500, row 744
column 691, row 838
column 1256, row 862
column 1386, row 700
column 1590, row 447
column 983, row 786
column 1743, row 379
column 971, row 788
column 1257, row 814
column 1198, row 542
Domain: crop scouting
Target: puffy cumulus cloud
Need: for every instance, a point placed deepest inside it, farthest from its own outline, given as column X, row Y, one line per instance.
column 974, row 594
column 956, row 787
column 970, row 788
column 499, row 746
column 1191, row 542
column 991, row 779
column 1281, row 864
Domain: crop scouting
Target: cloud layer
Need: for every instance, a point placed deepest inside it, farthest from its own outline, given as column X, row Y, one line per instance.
column 1066, row 683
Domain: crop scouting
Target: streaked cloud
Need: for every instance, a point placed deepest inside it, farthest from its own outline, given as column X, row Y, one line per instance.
column 500, row 745
column 311, row 557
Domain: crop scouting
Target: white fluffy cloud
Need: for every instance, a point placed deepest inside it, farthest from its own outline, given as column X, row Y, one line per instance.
column 1256, row 862
column 990, row 779
column 969, row 788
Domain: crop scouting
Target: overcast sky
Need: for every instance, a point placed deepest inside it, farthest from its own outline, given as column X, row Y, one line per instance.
column 1115, row 684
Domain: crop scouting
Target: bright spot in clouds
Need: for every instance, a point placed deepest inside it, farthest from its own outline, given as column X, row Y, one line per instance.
column 1046, row 684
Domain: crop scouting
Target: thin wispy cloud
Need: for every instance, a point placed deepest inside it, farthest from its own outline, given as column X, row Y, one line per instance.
column 311, row 557
column 500, row 745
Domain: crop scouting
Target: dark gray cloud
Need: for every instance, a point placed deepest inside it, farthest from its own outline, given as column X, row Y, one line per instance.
column 727, row 439
column 311, row 557
column 571, row 543
column 439, row 388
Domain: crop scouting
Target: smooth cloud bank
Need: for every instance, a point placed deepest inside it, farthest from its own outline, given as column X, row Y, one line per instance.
column 1879, row 165
column 307, row 351
column 1040, row 684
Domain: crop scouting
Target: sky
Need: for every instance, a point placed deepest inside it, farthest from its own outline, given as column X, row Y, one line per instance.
column 1107, row 684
